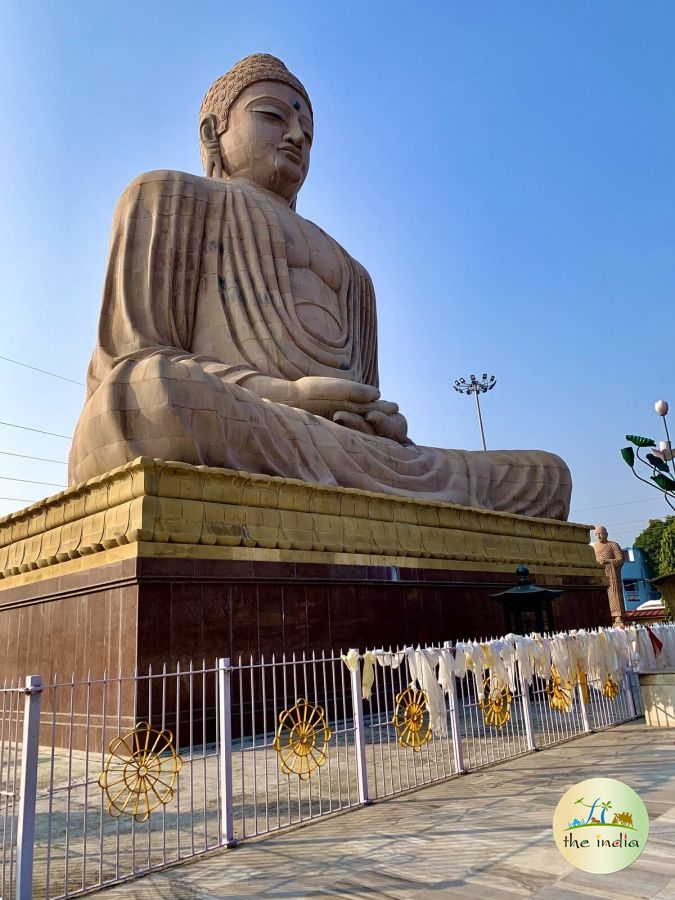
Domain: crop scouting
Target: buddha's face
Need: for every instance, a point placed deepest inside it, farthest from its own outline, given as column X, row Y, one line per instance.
column 268, row 138
column 601, row 535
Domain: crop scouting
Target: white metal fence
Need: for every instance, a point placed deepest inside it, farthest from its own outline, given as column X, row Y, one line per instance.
column 134, row 773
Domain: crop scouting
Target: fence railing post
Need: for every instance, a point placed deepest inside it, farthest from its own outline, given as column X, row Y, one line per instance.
column 527, row 712
column 359, row 735
column 582, row 688
column 225, row 752
column 628, row 688
column 455, row 725
column 637, row 693
column 28, row 788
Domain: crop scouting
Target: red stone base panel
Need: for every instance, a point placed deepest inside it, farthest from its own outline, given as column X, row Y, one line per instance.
column 147, row 611
column 143, row 611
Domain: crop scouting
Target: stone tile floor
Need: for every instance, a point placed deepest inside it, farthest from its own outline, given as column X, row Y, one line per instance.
column 485, row 835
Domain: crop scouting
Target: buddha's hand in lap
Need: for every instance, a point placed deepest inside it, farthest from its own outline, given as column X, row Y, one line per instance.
column 348, row 403
column 320, row 395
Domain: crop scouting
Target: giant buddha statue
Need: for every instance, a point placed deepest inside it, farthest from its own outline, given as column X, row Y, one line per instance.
column 234, row 333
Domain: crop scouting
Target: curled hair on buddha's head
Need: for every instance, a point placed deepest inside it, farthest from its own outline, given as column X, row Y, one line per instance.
column 225, row 90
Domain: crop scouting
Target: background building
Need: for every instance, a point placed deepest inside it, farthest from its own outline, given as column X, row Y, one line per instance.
column 637, row 588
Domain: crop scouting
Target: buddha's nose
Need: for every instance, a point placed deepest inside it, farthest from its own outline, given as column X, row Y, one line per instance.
column 295, row 134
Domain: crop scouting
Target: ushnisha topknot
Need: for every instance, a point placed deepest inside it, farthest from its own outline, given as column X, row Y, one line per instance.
column 225, row 90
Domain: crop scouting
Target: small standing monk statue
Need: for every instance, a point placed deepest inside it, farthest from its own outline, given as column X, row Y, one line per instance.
column 610, row 555
column 235, row 333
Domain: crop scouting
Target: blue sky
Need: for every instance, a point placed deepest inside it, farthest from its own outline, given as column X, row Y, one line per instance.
column 504, row 171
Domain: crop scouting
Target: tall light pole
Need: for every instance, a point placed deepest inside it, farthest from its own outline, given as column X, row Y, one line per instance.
column 476, row 387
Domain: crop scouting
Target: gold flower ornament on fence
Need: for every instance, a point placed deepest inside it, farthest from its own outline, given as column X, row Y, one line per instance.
column 140, row 772
column 411, row 718
column 496, row 704
column 559, row 694
column 302, row 738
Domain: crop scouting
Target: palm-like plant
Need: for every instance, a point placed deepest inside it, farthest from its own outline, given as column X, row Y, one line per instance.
column 604, row 806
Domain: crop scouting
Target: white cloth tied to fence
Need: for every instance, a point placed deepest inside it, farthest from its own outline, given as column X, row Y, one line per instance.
column 599, row 654
column 533, row 656
column 650, row 660
column 447, row 669
column 474, row 657
column 492, row 660
column 422, row 667
column 601, row 659
column 351, row 660
column 578, row 651
column 560, row 657
column 508, row 654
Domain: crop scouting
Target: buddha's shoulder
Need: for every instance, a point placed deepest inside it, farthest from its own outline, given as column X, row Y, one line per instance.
column 169, row 182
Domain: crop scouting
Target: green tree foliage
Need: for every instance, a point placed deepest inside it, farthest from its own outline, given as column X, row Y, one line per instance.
column 650, row 542
column 667, row 552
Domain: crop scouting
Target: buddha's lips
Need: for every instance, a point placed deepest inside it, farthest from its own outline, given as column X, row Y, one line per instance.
column 291, row 151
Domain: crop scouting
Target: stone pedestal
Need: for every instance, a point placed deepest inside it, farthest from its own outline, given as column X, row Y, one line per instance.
column 160, row 562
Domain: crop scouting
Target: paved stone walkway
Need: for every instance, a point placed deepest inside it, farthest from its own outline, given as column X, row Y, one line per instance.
column 485, row 835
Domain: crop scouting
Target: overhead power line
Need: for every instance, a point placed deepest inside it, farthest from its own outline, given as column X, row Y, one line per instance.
column 66, row 437
column 17, row 499
column 620, row 537
column 632, row 522
column 60, row 462
column 42, row 371
column 623, row 531
column 28, row 481
column 611, row 505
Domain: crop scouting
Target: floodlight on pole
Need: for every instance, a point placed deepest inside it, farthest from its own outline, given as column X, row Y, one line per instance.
column 476, row 387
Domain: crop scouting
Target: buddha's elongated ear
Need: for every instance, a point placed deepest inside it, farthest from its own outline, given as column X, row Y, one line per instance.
column 208, row 138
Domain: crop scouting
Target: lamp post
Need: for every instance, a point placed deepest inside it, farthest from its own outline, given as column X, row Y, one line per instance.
column 661, row 459
column 476, row 387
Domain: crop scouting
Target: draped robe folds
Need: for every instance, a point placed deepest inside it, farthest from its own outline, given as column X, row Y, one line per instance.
column 610, row 555
column 198, row 296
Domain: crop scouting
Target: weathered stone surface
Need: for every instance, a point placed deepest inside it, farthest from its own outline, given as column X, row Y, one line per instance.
column 222, row 514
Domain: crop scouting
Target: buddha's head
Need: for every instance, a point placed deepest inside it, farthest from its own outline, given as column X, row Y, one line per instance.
column 601, row 534
column 256, row 124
